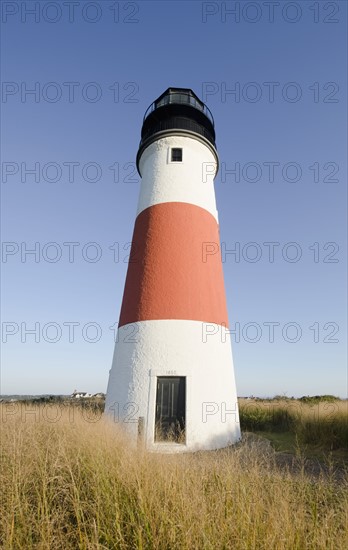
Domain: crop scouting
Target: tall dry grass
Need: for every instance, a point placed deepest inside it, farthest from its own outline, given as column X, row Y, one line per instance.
column 73, row 483
column 321, row 423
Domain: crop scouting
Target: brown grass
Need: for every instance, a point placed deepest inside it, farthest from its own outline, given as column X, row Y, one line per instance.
column 73, row 483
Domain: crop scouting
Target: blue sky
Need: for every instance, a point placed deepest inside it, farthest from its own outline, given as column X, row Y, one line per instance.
column 95, row 67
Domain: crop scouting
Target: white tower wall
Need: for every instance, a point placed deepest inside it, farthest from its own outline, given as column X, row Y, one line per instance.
column 149, row 349
column 189, row 181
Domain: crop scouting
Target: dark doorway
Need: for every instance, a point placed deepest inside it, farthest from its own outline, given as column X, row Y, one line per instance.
column 170, row 409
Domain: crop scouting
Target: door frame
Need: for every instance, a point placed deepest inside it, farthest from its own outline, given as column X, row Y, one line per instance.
column 151, row 410
column 178, row 382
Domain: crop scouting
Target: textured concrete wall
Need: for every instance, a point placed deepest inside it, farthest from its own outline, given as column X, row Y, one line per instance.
column 193, row 349
column 190, row 181
column 170, row 276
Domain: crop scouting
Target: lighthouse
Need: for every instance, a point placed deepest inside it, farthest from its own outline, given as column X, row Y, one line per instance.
column 171, row 386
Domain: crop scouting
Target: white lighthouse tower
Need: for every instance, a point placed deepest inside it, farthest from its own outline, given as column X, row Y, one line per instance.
column 171, row 384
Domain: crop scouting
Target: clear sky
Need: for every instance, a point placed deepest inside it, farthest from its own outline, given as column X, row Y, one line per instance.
column 77, row 79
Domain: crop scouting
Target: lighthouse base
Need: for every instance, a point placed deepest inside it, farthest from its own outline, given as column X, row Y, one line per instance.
column 171, row 386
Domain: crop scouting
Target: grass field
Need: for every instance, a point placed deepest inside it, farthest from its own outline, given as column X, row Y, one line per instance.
column 69, row 481
column 314, row 426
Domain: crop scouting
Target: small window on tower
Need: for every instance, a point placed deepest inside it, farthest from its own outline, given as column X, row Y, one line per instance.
column 176, row 154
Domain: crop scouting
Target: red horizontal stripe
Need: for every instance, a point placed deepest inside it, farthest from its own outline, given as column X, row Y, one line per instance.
column 167, row 276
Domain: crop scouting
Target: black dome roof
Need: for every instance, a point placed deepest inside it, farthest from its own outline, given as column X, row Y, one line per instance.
column 177, row 110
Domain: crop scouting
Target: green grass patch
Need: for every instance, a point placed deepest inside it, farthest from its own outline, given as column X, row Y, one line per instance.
column 315, row 423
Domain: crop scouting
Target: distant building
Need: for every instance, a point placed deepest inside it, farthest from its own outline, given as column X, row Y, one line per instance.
column 80, row 394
